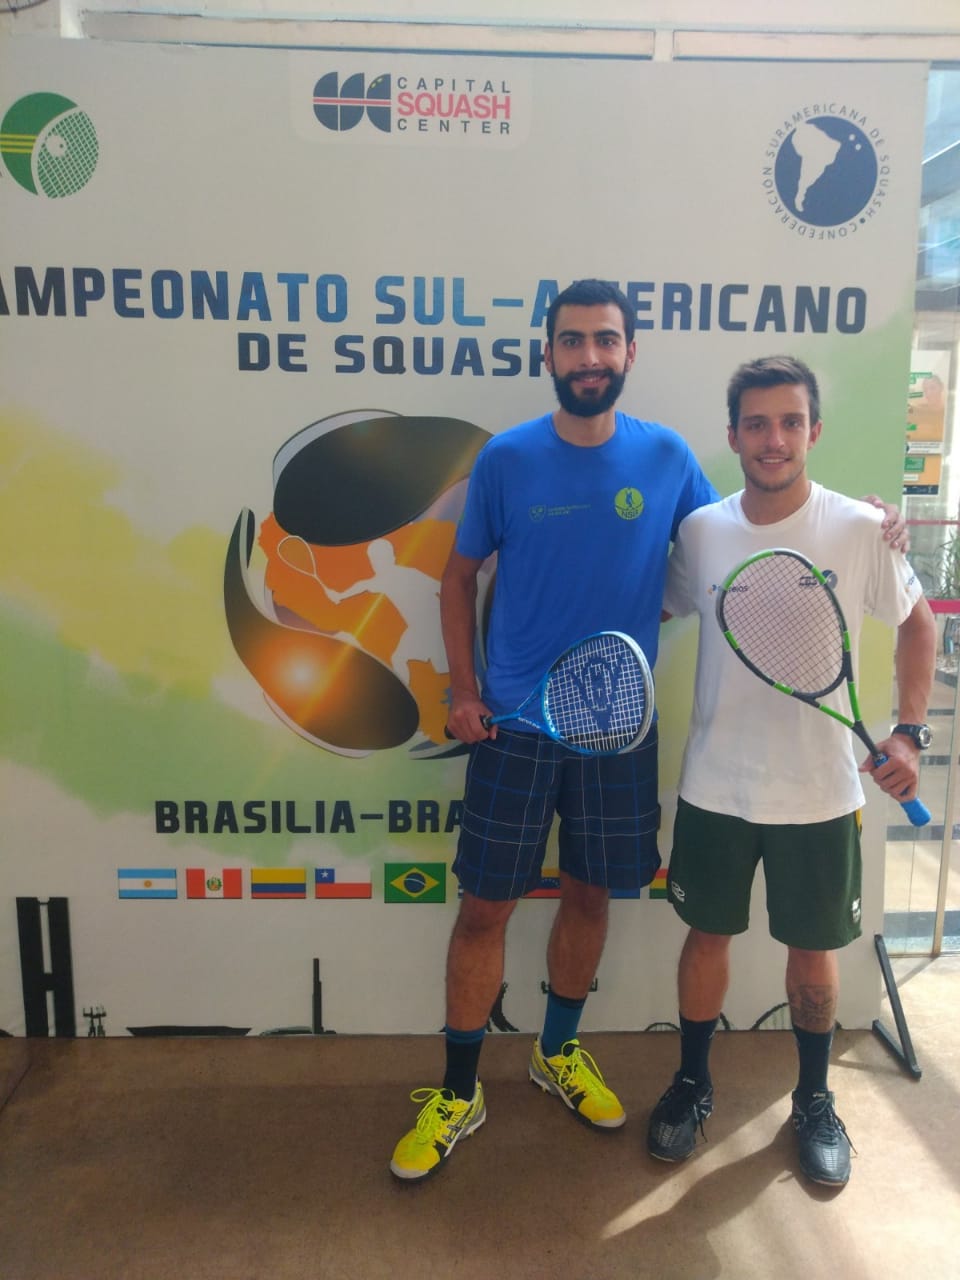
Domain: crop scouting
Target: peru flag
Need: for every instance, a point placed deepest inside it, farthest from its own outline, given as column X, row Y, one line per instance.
column 226, row 883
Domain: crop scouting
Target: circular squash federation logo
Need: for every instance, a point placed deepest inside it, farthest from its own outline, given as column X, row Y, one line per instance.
column 828, row 171
column 629, row 503
column 49, row 145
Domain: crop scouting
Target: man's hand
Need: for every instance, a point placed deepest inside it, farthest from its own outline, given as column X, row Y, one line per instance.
column 465, row 720
column 894, row 526
column 900, row 775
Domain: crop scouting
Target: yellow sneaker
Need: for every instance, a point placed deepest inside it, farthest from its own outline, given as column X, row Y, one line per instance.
column 575, row 1078
column 443, row 1119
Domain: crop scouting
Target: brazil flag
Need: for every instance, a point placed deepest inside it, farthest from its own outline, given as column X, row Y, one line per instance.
column 415, row 882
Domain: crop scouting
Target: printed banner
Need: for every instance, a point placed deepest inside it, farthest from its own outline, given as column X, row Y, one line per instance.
column 253, row 334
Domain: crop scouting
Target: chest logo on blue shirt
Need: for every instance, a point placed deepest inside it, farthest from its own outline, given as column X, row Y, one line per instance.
column 540, row 512
column 628, row 503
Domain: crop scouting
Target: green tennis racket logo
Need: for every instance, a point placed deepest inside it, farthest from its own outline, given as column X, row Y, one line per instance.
column 49, row 145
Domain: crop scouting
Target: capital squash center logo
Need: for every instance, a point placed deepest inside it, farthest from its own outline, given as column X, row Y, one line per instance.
column 439, row 104
column 342, row 107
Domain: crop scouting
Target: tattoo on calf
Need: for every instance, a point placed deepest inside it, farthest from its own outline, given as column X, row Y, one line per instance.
column 813, row 1008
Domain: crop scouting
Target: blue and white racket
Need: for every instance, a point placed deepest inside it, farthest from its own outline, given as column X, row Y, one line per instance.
column 596, row 698
column 784, row 622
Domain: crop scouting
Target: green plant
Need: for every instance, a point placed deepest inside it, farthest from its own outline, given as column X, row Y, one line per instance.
column 938, row 568
column 948, row 585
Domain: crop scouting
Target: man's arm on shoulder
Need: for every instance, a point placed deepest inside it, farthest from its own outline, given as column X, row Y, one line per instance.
column 893, row 526
column 915, row 666
column 458, row 618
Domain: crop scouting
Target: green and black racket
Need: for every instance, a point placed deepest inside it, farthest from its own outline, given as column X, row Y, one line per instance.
column 783, row 621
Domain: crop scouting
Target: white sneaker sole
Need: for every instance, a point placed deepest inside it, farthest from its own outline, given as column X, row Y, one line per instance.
column 550, row 1086
column 415, row 1175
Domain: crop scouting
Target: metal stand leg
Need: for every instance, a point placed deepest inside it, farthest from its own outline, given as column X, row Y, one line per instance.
column 318, row 1027
column 904, row 1050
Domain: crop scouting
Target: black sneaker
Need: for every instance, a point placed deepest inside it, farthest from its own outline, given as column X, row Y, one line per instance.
column 672, row 1132
column 822, row 1140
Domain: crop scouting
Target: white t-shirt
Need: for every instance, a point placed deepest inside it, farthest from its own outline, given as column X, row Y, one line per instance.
column 753, row 752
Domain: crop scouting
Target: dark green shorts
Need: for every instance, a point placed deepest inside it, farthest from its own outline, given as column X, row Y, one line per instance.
column 812, row 873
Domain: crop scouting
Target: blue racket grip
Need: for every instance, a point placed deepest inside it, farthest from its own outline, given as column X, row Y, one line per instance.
column 915, row 809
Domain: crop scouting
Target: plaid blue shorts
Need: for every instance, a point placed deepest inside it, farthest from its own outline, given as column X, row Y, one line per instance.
column 608, row 809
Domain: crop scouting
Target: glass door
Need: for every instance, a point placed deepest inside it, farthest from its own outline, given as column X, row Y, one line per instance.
column 922, row 899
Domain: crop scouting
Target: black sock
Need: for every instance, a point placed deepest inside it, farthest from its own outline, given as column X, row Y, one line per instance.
column 463, row 1058
column 695, row 1040
column 813, row 1048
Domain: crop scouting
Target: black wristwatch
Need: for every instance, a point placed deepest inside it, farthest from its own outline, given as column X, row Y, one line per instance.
column 919, row 734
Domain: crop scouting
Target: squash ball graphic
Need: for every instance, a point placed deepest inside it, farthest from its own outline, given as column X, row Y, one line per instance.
column 345, row 642
column 49, row 145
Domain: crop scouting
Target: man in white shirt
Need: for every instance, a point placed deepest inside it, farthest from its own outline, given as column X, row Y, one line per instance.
column 764, row 779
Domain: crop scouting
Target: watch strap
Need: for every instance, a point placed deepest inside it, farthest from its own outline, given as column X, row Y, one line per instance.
column 918, row 733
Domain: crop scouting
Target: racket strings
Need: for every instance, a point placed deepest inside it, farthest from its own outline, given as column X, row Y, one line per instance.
column 598, row 697
column 785, row 624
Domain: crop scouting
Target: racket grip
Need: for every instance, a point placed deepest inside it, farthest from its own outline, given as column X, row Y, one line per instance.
column 915, row 809
column 486, row 721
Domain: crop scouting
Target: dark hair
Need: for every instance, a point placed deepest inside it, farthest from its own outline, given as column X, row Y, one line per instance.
column 591, row 293
column 771, row 371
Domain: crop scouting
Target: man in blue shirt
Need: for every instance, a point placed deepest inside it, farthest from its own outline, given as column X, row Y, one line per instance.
column 581, row 506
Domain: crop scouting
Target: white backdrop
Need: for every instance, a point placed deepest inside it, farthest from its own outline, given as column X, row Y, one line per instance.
column 398, row 273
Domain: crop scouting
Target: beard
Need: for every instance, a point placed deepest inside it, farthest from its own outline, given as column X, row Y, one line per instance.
column 590, row 406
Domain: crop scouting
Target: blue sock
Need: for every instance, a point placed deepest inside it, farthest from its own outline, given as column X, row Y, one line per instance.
column 560, row 1023
column 463, row 1057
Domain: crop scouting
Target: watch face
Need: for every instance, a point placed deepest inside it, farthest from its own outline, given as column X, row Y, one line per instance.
column 920, row 734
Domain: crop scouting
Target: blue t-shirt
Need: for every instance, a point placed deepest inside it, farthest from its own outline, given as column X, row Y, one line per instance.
column 582, row 535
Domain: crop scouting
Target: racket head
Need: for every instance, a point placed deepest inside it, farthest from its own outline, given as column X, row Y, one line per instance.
column 598, row 696
column 781, row 619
